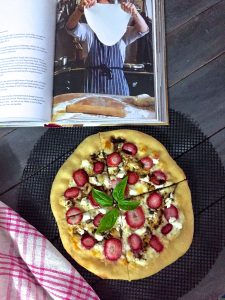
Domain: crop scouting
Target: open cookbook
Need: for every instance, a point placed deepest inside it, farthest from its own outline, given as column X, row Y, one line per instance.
column 88, row 63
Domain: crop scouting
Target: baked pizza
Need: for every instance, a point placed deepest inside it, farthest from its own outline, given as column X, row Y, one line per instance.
column 122, row 205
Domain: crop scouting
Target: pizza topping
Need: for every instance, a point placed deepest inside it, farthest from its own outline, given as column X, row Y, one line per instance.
column 108, row 220
column 101, row 198
column 166, row 229
column 113, row 249
column 171, row 212
column 135, row 218
column 117, row 140
column 114, row 182
column 135, row 242
column 168, row 201
column 92, row 200
column 86, row 165
column 93, row 180
column 80, row 177
column 158, row 177
column 147, row 163
column 138, row 188
column 121, row 173
column 72, row 193
column 88, row 241
column 98, row 167
column 74, row 216
column 129, row 148
column 155, row 243
column 113, row 159
column 132, row 178
column 97, row 219
column 154, row 200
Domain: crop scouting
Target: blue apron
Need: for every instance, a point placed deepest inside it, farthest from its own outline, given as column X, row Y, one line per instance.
column 104, row 70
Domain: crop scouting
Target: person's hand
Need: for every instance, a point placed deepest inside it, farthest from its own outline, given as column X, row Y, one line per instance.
column 86, row 4
column 129, row 8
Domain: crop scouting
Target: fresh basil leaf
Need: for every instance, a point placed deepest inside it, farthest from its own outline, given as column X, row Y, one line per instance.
column 128, row 205
column 118, row 192
column 108, row 221
column 101, row 198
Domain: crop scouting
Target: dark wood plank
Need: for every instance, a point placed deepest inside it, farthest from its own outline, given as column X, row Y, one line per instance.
column 15, row 149
column 201, row 96
column 179, row 12
column 196, row 43
column 5, row 131
column 11, row 198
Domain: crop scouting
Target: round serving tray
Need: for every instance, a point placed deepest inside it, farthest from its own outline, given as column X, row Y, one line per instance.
column 192, row 151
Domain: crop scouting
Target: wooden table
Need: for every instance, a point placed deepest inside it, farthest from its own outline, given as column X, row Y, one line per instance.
column 196, row 79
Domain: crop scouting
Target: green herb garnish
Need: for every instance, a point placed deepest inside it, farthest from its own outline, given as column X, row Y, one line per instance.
column 118, row 201
column 108, row 221
column 102, row 199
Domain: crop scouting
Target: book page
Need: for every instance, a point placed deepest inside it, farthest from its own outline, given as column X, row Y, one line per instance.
column 27, row 34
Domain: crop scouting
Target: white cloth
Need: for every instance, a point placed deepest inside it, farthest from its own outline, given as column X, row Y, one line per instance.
column 108, row 21
column 30, row 266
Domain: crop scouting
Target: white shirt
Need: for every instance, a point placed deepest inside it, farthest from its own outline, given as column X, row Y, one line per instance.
column 86, row 35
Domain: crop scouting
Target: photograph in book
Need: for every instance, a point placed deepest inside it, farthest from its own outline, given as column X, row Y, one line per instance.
column 82, row 62
column 106, row 63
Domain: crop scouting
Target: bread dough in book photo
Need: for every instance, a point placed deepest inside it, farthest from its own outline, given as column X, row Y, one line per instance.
column 103, row 53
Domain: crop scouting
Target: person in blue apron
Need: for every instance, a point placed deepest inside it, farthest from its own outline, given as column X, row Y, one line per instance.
column 104, row 64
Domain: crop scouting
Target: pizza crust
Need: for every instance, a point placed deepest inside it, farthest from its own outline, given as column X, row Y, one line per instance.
column 121, row 269
column 177, row 247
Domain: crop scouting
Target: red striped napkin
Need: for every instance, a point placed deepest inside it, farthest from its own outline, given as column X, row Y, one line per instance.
column 31, row 267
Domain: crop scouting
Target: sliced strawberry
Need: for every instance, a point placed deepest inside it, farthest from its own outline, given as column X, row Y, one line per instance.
column 171, row 212
column 72, row 193
column 166, row 229
column 113, row 159
column 114, row 182
column 155, row 243
column 113, row 249
column 158, row 177
column 129, row 148
column 88, row 241
column 135, row 218
column 92, row 200
column 98, row 167
column 135, row 242
column 154, row 200
column 132, row 177
column 80, row 177
column 97, row 219
column 74, row 216
column 147, row 163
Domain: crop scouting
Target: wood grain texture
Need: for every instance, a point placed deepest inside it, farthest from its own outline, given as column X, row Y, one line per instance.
column 15, row 149
column 195, row 44
column 179, row 12
column 5, row 131
column 201, row 95
column 11, row 198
